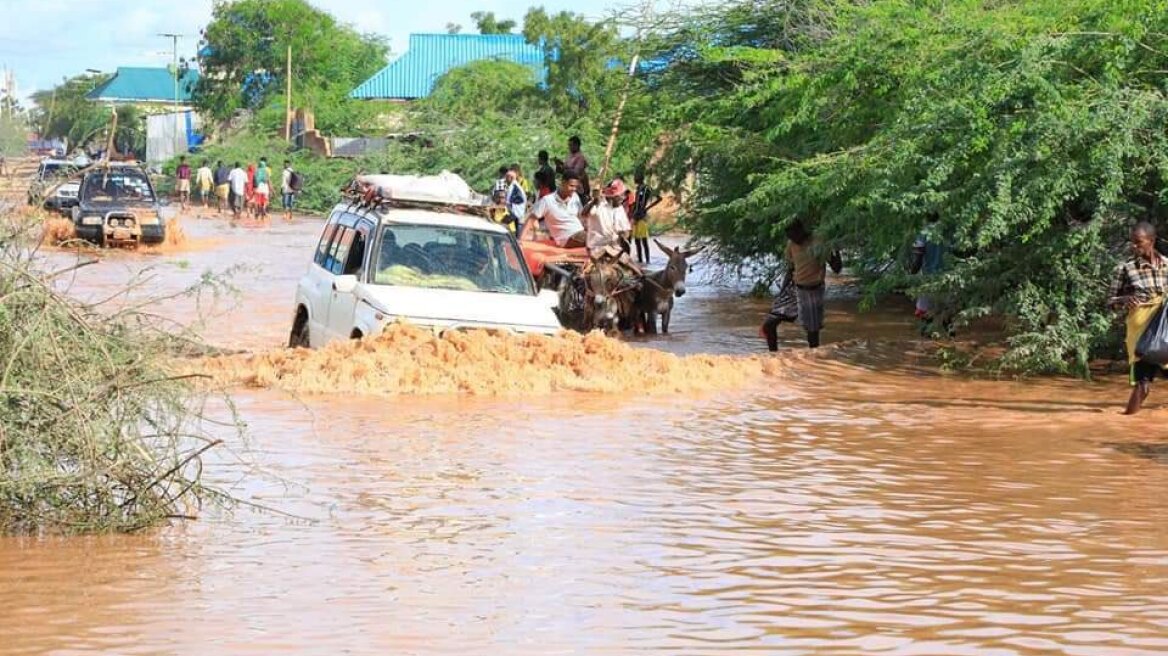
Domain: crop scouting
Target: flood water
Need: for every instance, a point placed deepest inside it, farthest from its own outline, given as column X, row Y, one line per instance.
column 860, row 503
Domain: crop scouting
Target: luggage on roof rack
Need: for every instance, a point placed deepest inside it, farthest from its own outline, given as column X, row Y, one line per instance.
column 446, row 191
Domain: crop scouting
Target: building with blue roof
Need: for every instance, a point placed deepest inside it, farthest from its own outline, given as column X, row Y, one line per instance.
column 430, row 56
column 134, row 85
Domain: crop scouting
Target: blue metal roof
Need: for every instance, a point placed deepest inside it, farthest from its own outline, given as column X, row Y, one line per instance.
column 132, row 84
column 430, row 56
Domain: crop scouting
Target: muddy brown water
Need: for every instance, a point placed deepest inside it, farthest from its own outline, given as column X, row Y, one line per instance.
column 859, row 503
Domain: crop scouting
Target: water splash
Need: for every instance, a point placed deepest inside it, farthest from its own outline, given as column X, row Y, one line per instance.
column 407, row 360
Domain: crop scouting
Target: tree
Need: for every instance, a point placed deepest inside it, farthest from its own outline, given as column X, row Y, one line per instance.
column 244, row 49
column 578, row 55
column 1033, row 133
column 480, row 87
column 64, row 111
column 488, row 24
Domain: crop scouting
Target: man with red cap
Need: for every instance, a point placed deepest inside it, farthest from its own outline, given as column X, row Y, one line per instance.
column 607, row 221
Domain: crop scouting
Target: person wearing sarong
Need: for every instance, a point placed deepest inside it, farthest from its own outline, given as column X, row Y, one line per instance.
column 1139, row 286
column 784, row 309
column 807, row 257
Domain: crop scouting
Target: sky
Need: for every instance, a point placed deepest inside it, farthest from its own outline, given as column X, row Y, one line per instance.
column 43, row 41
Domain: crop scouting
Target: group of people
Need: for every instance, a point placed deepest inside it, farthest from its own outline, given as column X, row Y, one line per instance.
column 237, row 189
column 560, row 202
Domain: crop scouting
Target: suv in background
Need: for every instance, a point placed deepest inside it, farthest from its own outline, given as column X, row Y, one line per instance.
column 117, row 207
column 49, row 173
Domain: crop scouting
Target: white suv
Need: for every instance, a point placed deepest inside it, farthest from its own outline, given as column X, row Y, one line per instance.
column 419, row 262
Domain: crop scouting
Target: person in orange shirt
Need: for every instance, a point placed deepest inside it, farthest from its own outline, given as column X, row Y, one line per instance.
column 809, row 260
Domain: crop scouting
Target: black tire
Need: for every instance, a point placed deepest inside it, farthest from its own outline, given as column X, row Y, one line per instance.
column 299, row 338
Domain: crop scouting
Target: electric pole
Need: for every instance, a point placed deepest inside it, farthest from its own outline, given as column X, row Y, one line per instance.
column 174, row 58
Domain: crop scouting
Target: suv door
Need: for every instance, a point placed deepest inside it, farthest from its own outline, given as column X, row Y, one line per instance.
column 317, row 284
column 348, row 261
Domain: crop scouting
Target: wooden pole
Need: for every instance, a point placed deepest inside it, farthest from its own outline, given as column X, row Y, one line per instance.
column 288, row 97
column 109, row 143
column 646, row 13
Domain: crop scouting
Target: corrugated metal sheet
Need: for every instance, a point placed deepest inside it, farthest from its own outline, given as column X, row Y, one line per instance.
column 131, row 84
column 429, row 56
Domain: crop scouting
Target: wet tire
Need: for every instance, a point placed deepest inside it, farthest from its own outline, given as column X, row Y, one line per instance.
column 299, row 338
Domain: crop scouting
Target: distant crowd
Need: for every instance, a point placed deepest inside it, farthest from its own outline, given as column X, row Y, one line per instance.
column 559, row 202
column 241, row 191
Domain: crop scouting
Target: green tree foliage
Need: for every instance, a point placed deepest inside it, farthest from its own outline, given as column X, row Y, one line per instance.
column 1033, row 131
column 486, row 22
column 245, row 60
column 577, row 54
column 64, row 111
column 13, row 133
column 481, row 86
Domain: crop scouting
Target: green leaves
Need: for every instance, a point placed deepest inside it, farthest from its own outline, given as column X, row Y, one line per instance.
column 245, row 50
column 1033, row 131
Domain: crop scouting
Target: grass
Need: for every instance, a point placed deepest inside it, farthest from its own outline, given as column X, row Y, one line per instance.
column 96, row 434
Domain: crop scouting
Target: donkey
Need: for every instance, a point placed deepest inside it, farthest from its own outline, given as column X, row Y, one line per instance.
column 656, row 295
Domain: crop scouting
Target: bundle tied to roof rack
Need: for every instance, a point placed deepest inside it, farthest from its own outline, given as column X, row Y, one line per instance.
column 446, row 192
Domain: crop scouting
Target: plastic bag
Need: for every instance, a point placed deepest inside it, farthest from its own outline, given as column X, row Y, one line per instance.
column 1152, row 346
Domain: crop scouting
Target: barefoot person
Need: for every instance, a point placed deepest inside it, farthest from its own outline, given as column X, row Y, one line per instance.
column 806, row 255
column 205, row 180
column 183, row 182
column 263, row 177
column 1139, row 286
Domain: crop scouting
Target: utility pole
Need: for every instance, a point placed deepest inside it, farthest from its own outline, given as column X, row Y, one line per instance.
column 174, row 58
column 288, row 97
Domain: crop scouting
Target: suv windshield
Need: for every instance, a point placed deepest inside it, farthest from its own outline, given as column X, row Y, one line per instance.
column 51, row 170
column 436, row 257
column 116, row 186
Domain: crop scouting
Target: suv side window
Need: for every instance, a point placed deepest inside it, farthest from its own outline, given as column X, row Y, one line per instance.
column 355, row 263
column 326, row 237
column 338, row 257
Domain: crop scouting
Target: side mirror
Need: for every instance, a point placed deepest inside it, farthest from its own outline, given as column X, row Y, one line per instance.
column 344, row 284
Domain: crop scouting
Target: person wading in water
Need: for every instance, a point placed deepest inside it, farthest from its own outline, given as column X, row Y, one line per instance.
column 1139, row 286
column 810, row 264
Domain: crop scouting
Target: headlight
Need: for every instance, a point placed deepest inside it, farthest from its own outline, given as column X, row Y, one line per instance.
column 91, row 220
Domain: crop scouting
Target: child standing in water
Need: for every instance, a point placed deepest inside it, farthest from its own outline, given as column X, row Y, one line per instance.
column 643, row 201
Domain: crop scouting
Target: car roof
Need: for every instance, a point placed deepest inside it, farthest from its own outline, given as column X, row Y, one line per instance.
column 437, row 218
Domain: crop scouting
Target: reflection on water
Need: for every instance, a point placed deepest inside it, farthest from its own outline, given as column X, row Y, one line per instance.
column 857, row 504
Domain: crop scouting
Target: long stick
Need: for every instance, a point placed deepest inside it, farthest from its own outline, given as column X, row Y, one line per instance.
column 288, row 97
column 646, row 12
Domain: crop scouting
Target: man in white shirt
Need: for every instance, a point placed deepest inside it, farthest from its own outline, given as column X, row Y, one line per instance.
column 560, row 212
column 607, row 220
column 237, row 179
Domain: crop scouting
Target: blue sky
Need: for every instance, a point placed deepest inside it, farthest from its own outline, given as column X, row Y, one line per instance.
column 45, row 40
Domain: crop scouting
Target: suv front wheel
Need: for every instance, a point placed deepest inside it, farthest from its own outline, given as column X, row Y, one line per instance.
column 298, row 338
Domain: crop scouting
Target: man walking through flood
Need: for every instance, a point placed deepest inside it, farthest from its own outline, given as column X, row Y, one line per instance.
column 806, row 255
column 237, row 180
column 183, row 183
column 204, row 179
column 222, row 186
column 1139, row 287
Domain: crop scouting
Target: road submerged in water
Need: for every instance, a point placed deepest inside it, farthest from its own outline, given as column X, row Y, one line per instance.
column 856, row 502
